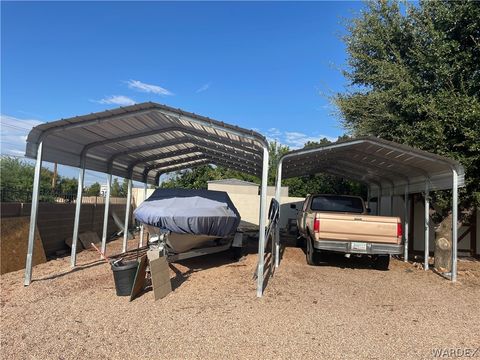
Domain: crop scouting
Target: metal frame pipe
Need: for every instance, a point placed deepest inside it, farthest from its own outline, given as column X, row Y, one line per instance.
column 427, row 227
column 141, row 226
column 453, row 275
column 33, row 216
column 406, row 221
column 262, row 223
column 278, row 198
column 105, row 215
column 76, row 222
column 127, row 216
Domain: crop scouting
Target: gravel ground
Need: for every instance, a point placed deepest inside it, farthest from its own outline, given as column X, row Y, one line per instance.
column 343, row 310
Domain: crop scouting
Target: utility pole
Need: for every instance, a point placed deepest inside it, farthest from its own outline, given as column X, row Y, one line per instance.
column 54, row 178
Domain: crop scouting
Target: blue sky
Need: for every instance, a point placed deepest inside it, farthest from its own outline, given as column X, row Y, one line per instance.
column 266, row 66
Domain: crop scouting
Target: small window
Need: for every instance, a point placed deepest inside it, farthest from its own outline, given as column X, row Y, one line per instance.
column 337, row 204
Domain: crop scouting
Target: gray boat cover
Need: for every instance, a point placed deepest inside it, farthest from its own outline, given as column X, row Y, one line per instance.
column 182, row 211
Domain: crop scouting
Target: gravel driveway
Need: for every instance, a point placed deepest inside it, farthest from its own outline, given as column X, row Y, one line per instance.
column 342, row 309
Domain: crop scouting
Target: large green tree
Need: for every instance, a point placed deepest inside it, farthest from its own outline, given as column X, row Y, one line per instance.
column 414, row 78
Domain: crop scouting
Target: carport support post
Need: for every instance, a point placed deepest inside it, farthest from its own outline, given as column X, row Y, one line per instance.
column 33, row 216
column 379, row 200
column 262, row 223
column 427, row 227
column 76, row 223
column 391, row 203
column 278, row 198
column 368, row 196
column 105, row 215
column 127, row 216
column 141, row 226
column 405, row 221
column 453, row 275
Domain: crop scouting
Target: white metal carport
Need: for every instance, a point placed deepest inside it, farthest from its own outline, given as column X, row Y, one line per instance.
column 141, row 142
column 388, row 169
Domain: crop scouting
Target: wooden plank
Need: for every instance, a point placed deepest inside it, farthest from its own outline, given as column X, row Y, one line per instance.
column 139, row 282
column 160, row 277
column 87, row 238
column 14, row 243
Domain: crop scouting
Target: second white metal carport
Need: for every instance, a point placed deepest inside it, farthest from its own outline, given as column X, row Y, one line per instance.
column 388, row 169
column 141, row 142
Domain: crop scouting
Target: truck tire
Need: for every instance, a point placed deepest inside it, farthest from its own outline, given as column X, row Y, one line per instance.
column 381, row 262
column 300, row 242
column 311, row 254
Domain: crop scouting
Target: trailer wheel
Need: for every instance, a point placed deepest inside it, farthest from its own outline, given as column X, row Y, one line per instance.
column 381, row 262
column 237, row 253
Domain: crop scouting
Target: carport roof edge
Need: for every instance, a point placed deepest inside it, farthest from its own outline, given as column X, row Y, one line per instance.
column 376, row 162
column 126, row 141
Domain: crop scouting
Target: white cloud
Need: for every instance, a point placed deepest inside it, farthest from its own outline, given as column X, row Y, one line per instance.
column 116, row 100
column 203, row 88
column 273, row 132
column 297, row 139
column 148, row 88
column 14, row 133
column 293, row 139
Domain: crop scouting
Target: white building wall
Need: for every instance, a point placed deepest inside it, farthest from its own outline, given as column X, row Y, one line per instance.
column 237, row 189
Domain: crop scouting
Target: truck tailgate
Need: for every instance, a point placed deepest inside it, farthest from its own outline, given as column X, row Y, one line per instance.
column 352, row 227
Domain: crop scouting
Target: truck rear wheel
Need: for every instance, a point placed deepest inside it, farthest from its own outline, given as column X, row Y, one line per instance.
column 381, row 262
column 300, row 242
column 312, row 255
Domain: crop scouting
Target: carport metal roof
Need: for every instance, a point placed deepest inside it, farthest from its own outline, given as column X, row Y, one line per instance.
column 377, row 162
column 387, row 167
column 140, row 142
column 143, row 140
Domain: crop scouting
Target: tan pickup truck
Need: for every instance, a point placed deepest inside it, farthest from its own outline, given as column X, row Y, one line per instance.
column 341, row 224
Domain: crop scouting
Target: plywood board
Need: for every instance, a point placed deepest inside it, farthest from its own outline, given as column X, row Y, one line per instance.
column 68, row 241
column 139, row 282
column 160, row 277
column 87, row 238
column 153, row 254
column 14, row 243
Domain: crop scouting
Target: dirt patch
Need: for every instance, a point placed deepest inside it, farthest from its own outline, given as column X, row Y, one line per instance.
column 341, row 309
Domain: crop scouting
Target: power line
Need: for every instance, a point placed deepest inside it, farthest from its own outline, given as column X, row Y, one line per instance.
column 16, row 127
column 8, row 120
column 3, row 142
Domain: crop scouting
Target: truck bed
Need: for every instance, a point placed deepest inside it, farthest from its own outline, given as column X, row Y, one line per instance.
column 357, row 227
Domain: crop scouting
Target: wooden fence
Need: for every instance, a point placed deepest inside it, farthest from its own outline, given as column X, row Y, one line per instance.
column 55, row 220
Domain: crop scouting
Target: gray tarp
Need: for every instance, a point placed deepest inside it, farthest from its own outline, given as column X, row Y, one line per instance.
column 198, row 212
